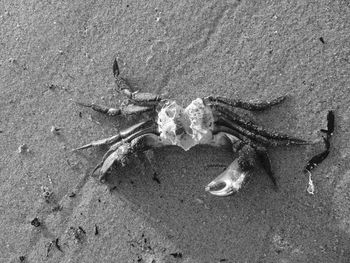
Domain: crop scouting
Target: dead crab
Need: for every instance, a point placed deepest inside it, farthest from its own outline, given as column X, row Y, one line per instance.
column 210, row 120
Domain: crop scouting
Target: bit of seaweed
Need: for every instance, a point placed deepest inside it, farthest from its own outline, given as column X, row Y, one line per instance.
column 319, row 158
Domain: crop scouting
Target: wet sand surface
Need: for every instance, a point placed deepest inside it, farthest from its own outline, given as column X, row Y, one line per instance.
column 53, row 52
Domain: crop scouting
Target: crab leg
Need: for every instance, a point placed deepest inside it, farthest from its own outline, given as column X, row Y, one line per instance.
column 265, row 161
column 141, row 99
column 120, row 135
column 225, row 121
column 116, row 145
column 121, row 83
column 124, row 151
column 140, row 102
column 124, row 110
column 218, row 128
column 249, row 125
column 252, row 106
column 255, row 132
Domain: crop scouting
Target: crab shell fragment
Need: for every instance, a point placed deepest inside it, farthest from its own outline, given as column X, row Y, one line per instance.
column 186, row 127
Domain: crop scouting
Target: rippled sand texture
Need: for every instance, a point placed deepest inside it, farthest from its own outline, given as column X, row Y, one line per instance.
column 155, row 209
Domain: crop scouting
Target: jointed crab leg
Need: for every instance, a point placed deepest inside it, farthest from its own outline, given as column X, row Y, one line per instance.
column 121, row 83
column 254, row 131
column 120, row 135
column 222, row 127
column 141, row 99
column 249, row 125
column 124, row 110
column 252, row 106
column 225, row 121
column 126, row 149
column 116, row 145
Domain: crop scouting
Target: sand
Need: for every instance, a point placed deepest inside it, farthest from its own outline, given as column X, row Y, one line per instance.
column 53, row 52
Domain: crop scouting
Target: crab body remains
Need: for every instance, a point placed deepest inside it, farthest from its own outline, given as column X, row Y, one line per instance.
column 210, row 120
column 186, row 127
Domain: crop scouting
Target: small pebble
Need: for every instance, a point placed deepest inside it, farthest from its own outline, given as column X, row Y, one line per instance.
column 23, row 148
column 55, row 130
column 176, row 254
column 199, row 201
column 47, row 194
column 35, row 222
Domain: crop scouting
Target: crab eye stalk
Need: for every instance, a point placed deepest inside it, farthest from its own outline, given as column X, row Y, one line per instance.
column 229, row 182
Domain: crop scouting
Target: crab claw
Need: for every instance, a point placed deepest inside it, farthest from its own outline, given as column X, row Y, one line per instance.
column 229, row 182
column 235, row 175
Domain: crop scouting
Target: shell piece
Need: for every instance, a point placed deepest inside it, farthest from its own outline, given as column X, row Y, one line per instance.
column 172, row 123
column 202, row 120
column 185, row 127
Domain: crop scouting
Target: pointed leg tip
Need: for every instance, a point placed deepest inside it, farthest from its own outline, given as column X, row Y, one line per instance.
column 81, row 103
column 275, row 186
column 82, row 147
column 76, row 149
column 115, row 67
column 75, row 102
column 102, row 178
column 282, row 98
column 96, row 168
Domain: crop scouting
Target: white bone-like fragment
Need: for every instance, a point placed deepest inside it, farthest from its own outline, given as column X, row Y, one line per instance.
column 311, row 187
column 186, row 127
column 202, row 120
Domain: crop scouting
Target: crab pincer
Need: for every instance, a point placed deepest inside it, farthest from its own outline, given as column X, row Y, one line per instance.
column 235, row 175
